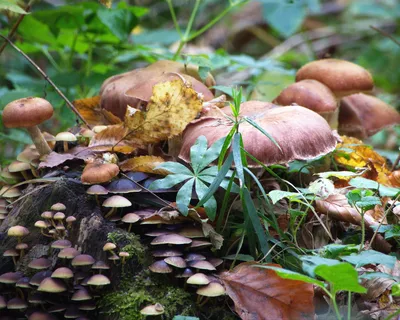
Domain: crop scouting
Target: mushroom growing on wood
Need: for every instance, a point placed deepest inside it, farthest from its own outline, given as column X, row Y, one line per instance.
column 363, row 115
column 301, row 133
column 28, row 113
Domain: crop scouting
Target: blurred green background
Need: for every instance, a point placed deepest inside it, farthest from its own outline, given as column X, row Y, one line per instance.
column 257, row 44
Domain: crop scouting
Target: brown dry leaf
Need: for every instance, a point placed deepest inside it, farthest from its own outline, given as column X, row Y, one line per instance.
column 363, row 156
column 144, row 164
column 55, row 159
column 171, row 107
column 112, row 139
column 337, row 207
column 261, row 294
column 90, row 110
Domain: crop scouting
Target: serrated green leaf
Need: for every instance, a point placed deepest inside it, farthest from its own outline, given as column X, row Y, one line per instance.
column 184, row 196
column 169, row 181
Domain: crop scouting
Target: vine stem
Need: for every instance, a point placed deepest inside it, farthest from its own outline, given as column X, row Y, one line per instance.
column 46, row 77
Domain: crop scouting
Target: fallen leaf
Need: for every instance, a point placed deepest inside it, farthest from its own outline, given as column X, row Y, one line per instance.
column 261, row 294
column 171, row 107
column 55, row 159
column 337, row 207
column 353, row 153
column 209, row 232
column 112, row 139
column 144, row 164
column 90, row 110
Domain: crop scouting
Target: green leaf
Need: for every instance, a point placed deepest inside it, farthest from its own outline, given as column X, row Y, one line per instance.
column 277, row 195
column 217, row 181
column 285, row 17
column 33, row 30
column 338, row 174
column 396, row 290
column 184, row 196
column 369, row 202
column 224, row 183
column 288, row 274
column 311, row 262
column 239, row 257
column 341, row 276
column 119, row 21
column 169, row 181
column 211, row 204
column 255, row 125
column 237, row 158
column 334, row 250
column 185, row 318
column 11, row 5
column 175, row 167
column 370, row 257
column 200, row 156
column 374, row 275
column 364, row 183
column 250, row 209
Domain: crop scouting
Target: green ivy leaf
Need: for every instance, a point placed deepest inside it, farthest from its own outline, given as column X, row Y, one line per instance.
column 277, row 195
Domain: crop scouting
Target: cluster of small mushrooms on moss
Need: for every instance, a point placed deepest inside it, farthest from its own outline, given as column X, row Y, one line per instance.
column 328, row 95
column 62, row 282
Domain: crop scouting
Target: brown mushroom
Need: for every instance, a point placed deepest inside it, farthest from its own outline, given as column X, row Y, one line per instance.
column 313, row 95
column 363, row 115
column 96, row 172
column 342, row 77
column 301, row 133
column 29, row 113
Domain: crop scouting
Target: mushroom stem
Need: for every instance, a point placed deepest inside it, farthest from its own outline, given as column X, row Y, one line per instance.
column 39, row 141
column 65, row 143
column 109, row 213
column 332, row 118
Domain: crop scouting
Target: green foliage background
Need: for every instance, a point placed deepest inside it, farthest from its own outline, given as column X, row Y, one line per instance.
column 81, row 43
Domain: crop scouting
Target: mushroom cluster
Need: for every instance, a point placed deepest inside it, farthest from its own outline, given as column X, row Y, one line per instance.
column 63, row 283
column 339, row 91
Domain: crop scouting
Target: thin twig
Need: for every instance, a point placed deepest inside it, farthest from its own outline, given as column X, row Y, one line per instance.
column 385, row 34
column 46, row 77
column 16, row 25
column 396, row 162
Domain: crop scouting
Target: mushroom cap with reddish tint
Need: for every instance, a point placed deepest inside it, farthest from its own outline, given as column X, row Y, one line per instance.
column 301, row 133
column 160, row 266
column 172, row 238
column 62, row 273
column 362, row 115
column 52, row 285
column 82, row 260
column 40, row 264
column 342, row 77
column 27, row 112
column 68, row 253
column 310, row 94
column 98, row 280
column 21, row 246
column 95, row 173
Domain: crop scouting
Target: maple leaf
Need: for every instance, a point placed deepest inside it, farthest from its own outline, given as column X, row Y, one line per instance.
column 261, row 294
column 171, row 107
column 144, row 164
column 112, row 139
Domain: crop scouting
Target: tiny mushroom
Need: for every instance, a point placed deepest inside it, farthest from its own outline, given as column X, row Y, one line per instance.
column 123, row 255
column 160, row 266
column 82, row 260
column 362, row 115
column 40, row 264
column 115, row 202
column 152, row 310
column 52, row 285
column 98, row 280
column 18, row 231
column 16, row 303
column 29, row 113
column 58, row 207
column 130, row 218
column 21, row 167
column 213, row 289
column 62, row 273
column 65, row 137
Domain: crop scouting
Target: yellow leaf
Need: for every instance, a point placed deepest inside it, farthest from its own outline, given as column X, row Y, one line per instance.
column 90, row 110
column 171, row 107
column 144, row 164
column 112, row 139
column 106, row 3
column 353, row 153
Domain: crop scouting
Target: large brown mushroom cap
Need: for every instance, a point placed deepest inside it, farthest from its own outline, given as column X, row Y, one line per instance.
column 310, row 94
column 342, row 77
column 362, row 115
column 113, row 91
column 301, row 133
column 27, row 112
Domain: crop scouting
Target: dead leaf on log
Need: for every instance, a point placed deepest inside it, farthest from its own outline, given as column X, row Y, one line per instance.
column 112, row 139
column 261, row 294
column 55, row 159
column 89, row 109
column 144, row 164
column 337, row 207
column 171, row 107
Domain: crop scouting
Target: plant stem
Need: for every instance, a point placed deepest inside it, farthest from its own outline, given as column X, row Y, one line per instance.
column 362, row 232
column 172, row 11
column 349, row 306
column 335, row 306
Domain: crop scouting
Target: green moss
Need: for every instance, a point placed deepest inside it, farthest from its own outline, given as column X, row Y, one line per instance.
column 138, row 291
column 130, row 243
